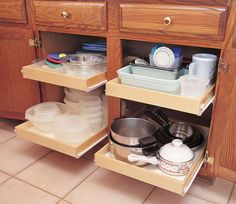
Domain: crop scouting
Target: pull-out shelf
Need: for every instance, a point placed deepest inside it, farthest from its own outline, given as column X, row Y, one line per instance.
column 37, row 73
column 28, row 132
column 162, row 99
column 151, row 174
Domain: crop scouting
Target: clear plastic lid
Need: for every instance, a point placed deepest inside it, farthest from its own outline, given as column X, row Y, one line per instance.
column 85, row 59
column 46, row 109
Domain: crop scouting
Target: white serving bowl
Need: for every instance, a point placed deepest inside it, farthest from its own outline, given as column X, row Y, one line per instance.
column 43, row 115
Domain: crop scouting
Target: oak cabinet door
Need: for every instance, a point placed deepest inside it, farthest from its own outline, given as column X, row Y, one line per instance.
column 16, row 93
column 222, row 141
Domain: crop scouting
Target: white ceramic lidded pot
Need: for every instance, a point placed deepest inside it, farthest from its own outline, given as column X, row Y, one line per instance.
column 174, row 158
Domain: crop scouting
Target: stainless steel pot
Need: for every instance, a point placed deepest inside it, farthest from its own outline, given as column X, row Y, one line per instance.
column 121, row 151
column 174, row 158
column 177, row 130
column 133, row 131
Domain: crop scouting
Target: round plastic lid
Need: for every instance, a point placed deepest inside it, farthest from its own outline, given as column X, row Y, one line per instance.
column 176, row 152
column 47, row 109
column 163, row 57
column 85, row 59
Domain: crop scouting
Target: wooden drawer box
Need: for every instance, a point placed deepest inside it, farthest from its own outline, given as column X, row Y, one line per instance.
column 13, row 11
column 174, row 20
column 71, row 14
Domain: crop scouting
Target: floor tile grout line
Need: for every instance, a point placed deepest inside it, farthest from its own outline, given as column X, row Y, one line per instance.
column 37, row 187
column 149, row 194
column 32, row 163
column 80, row 183
column 6, row 180
column 6, row 173
column 231, row 193
column 61, row 198
column 8, row 139
column 64, row 201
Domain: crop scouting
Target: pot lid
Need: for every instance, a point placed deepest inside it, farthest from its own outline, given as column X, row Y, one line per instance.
column 176, row 152
column 85, row 59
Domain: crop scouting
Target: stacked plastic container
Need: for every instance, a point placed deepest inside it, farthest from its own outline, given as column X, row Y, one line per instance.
column 82, row 115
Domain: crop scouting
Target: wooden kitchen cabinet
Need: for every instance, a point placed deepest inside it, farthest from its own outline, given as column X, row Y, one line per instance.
column 13, row 11
column 198, row 24
column 17, row 94
column 220, row 152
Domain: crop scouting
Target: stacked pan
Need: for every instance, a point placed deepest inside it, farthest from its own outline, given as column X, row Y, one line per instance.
column 169, row 131
column 141, row 137
column 132, row 136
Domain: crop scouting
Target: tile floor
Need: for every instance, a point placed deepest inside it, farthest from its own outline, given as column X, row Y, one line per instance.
column 31, row 174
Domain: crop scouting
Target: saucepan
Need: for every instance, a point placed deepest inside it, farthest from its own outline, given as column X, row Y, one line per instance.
column 174, row 158
column 133, row 131
column 176, row 130
column 190, row 135
column 121, row 151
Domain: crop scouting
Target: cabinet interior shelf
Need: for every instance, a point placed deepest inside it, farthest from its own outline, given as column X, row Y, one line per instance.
column 176, row 102
column 28, row 132
column 45, row 75
column 151, row 174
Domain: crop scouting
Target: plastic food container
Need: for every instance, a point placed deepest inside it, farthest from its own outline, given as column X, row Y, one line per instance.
column 74, row 95
column 169, row 86
column 193, row 86
column 43, row 115
column 91, row 109
column 74, row 107
column 71, row 128
column 155, row 72
column 96, row 124
column 84, row 65
column 91, row 101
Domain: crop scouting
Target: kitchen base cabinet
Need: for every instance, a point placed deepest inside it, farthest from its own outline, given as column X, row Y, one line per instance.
column 131, row 28
column 17, row 94
column 63, row 43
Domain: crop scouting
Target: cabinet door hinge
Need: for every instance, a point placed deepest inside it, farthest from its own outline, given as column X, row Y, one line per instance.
column 223, row 66
column 35, row 42
column 208, row 159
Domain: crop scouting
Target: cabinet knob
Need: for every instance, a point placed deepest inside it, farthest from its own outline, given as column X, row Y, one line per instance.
column 64, row 14
column 167, row 21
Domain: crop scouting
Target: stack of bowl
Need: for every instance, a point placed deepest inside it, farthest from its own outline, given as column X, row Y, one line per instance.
column 92, row 109
column 72, row 128
column 73, row 96
column 43, row 115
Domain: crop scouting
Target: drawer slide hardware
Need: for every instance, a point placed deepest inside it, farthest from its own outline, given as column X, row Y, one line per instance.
column 208, row 159
column 35, row 42
column 223, row 66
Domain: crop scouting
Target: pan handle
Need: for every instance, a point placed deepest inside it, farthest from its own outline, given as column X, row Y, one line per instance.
column 151, row 160
column 161, row 115
column 151, row 115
